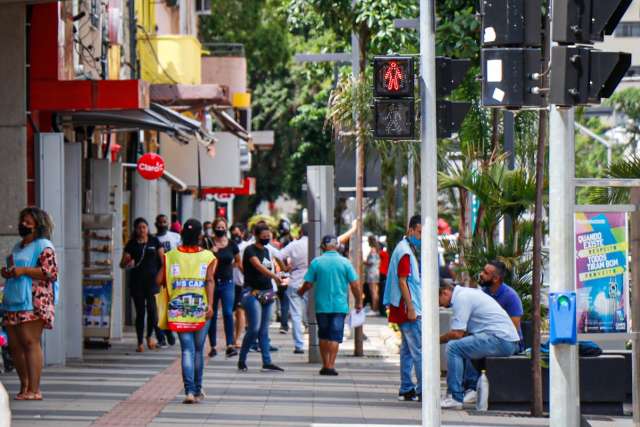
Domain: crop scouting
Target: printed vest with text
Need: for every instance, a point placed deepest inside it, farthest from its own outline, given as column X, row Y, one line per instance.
column 186, row 284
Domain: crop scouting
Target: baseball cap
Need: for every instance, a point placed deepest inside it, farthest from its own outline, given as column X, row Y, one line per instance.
column 329, row 240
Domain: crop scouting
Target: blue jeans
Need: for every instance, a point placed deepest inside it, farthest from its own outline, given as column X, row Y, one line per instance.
column 225, row 292
column 284, row 308
column 411, row 356
column 461, row 352
column 258, row 318
column 192, row 346
column 297, row 308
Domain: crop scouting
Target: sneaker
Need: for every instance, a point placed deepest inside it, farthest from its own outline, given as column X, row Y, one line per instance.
column 273, row 349
column 231, row 352
column 242, row 367
column 190, row 399
column 213, row 352
column 407, row 396
column 163, row 345
column 328, row 372
column 254, row 349
column 298, row 351
column 470, row 397
column 283, row 331
column 450, row 403
column 200, row 396
column 271, row 368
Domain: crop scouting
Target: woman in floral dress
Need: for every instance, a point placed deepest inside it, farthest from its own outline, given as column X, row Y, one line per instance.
column 31, row 276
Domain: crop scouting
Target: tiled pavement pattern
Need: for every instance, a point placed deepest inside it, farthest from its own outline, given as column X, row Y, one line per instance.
column 108, row 386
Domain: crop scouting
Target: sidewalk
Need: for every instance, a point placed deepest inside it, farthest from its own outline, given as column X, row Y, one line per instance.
column 127, row 388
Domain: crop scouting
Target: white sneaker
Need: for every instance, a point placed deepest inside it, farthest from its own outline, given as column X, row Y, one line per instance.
column 470, row 397
column 450, row 403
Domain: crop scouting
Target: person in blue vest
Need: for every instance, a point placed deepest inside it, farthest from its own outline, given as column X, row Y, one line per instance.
column 30, row 290
column 403, row 295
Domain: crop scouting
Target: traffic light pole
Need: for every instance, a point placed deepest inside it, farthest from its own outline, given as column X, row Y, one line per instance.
column 564, row 394
column 429, row 209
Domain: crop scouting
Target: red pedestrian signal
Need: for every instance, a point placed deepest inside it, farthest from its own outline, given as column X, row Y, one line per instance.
column 393, row 77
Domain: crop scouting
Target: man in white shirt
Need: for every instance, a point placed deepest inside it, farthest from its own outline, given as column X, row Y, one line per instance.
column 296, row 257
column 479, row 328
column 169, row 240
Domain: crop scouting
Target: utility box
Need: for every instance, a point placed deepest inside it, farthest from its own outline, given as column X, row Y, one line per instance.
column 562, row 318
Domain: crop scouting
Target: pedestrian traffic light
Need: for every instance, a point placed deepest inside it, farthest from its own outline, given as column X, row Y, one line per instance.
column 581, row 75
column 393, row 77
column 393, row 91
column 450, row 73
column 511, row 54
column 511, row 23
column 586, row 21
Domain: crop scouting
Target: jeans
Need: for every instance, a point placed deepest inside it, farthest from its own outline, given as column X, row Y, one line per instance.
column 297, row 308
column 283, row 296
column 192, row 346
column 142, row 304
column 225, row 292
column 258, row 318
column 461, row 352
column 411, row 356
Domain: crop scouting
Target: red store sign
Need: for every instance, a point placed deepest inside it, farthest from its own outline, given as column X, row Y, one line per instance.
column 150, row 166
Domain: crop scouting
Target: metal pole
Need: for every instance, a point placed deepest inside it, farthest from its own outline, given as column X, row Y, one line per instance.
column 411, row 188
column 635, row 306
column 564, row 394
column 429, row 207
column 360, row 160
column 509, row 147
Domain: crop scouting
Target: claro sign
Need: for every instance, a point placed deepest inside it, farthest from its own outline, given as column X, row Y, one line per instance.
column 150, row 166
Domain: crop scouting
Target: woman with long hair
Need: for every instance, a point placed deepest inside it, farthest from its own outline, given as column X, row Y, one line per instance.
column 30, row 291
column 228, row 256
column 372, row 273
column 143, row 256
column 188, row 279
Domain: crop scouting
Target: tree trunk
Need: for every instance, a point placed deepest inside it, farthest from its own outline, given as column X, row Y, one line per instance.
column 536, row 371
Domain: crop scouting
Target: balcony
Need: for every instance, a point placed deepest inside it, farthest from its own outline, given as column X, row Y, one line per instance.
column 170, row 59
column 225, row 64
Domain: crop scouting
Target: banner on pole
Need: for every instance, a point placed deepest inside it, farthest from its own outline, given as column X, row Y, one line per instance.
column 602, row 285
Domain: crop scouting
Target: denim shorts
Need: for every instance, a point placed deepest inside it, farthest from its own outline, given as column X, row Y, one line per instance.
column 331, row 326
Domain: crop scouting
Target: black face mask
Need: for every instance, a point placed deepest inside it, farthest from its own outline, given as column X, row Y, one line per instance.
column 265, row 242
column 24, row 231
column 162, row 229
column 219, row 233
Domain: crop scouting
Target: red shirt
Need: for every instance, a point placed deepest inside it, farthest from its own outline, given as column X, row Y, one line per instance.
column 399, row 314
column 384, row 262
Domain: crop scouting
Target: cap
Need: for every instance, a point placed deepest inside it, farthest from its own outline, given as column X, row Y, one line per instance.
column 329, row 240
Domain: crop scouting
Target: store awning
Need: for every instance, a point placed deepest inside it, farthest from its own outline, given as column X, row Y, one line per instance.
column 156, row 117
column 201, row 95
column 230, row 125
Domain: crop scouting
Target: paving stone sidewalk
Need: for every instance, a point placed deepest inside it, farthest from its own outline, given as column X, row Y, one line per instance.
column 121, row 387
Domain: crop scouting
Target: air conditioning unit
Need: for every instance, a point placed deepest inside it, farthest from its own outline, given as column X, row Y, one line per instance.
column 245, row 157
column 203, row 7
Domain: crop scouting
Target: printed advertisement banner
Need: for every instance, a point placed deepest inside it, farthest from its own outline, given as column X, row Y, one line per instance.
column 602, row 284
column 97, row 298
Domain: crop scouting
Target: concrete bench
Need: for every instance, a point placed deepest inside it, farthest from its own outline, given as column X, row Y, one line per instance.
column 603, row 381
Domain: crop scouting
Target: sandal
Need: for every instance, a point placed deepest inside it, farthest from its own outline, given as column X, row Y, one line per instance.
column 33, row 396
column 140, row 349
column 20, row 396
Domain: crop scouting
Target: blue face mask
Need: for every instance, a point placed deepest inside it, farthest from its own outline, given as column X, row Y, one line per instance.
column 415, row 242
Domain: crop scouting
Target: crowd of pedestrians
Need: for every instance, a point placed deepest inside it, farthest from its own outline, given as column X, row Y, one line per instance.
column 182, row 276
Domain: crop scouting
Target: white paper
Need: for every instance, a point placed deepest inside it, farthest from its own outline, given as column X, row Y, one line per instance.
column 489, row 35
column 498, row 95
column 494, row 70
column 356, row 318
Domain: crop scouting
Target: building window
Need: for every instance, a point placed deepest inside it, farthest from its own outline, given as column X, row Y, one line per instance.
column 627, row 29
column 203, row 7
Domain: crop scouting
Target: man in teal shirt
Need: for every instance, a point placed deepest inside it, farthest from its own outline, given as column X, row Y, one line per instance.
column 331, row 275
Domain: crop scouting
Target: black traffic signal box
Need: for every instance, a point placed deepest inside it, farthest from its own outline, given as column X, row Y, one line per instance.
column 394, row 103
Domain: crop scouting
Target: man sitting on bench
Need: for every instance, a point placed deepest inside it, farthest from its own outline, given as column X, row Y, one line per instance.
column 479, row 328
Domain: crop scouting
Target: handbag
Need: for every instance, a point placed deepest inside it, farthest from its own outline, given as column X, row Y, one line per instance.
column 265, row 297
column 162, row 302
